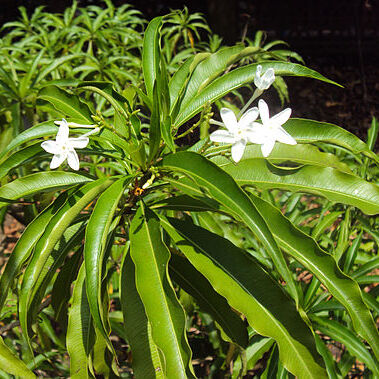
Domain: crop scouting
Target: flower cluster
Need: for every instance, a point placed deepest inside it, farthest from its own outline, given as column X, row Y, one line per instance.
column 266, row 133
column 64, row 147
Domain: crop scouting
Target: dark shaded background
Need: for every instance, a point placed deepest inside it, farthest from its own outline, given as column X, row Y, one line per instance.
column 338, row 38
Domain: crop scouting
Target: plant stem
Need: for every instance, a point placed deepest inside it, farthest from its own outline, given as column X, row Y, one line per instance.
column 258, row 92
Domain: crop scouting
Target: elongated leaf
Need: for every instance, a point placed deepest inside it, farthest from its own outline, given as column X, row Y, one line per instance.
column 236, row 79
column 40, row 182
column 155, row 125
column 330, row 363
column 249, row 289
column 342, row 334
column 69, row 105
column 150, row 54
column 146, row 359
column 61, row 292
column 26, row 80
column 254, row 352
column 188, row 278
column 303, row 154
column 94, row 248
column 20, row 158
column 179, row 81
column 103, row 361
column 163, row 309
column 307, row 131
column 225, row 190
column 11, row 364
column 207, row 69
column 25, row 244
column 106, row 90
column 53, row 232
column 80, row 331
column 186, row 203
column 56, row 63
column 71, row 238
column 41, row 130
column 328, row 182
column 305, row 250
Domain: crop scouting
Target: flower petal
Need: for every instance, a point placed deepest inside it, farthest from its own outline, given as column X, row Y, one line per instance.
column 57, row 160
column 78, row 143
column 248, row 117
column 267, row 79
column 263, row 111
column 229, row 119
column 63, row 132
column 237, row 150
column 267, row 147
column 257, row 134
column 222, row 136
column 281, row 117
column 282, row 136
column 73, row 160
column 51, row 147
column 257, row 76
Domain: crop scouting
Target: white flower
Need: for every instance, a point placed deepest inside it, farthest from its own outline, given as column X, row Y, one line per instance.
column 264, row 81
column 64, row 147
column 238, row 133
column 271, row 129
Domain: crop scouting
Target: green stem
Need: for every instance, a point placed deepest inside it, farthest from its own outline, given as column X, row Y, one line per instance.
column 258, row 92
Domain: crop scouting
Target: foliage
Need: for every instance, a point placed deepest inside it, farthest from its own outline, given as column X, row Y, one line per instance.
column 274, row 255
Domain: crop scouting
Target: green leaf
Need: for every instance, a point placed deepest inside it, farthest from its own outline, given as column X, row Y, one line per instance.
column 25, row 244
column 304, row 154
column 249, row 289
column 44, row 129
column 330, row 363
column 342, row 334
column 20, row 158
column 333, row 184
column 165, row 314
column 166, row 134
column 151, row 55
column 80, row 332
column 155, row 125
column 69, row 105
column 26, row 80
column 222, row 188
column 373, row 133
column 103, row 361
column 42, row 269
column 12, row 364
column 179, row 81
column 237, row 78
column 185, row 203
column 61, row 292
column 40, row 182
column 308, row 131
column 146, row 358
column 305, row 250
column 56, row 63
column 188, row 278
column 209, row 68
column 253, row 353
column 106, row 90
column 94, row 249
column 52, row 234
